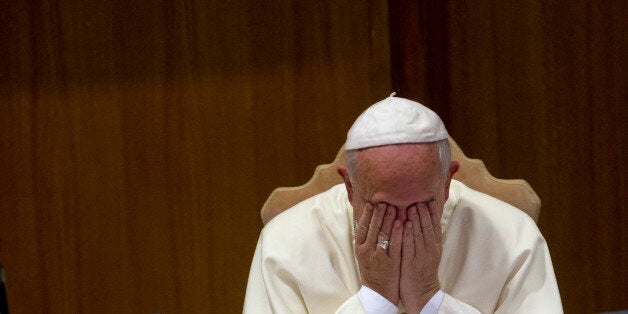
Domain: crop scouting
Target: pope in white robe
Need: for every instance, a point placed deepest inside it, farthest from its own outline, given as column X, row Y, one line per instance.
column 395, row 238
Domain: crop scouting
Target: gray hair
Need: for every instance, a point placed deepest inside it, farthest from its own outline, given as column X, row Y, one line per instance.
column 444, row 154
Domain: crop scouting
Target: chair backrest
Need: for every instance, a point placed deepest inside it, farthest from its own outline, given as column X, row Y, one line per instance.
column 472, row 173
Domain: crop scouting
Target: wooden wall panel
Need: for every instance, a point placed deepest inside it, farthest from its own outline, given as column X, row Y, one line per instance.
column 537, row 90
column 140, row 139
column 418, row 48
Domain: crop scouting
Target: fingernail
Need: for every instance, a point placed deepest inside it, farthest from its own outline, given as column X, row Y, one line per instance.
column 412, row 210
column 424, row 207
column 433, row 206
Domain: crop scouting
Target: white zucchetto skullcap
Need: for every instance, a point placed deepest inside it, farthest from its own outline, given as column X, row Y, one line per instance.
column 395, row 120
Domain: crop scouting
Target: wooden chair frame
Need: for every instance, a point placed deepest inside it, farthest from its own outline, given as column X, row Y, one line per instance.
column 472, row 172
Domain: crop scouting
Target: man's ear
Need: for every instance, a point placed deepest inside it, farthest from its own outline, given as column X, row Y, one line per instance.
column 453, row 168
column 342, row 171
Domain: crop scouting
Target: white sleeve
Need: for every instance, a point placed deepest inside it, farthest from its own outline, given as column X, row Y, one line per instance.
column 433, row 304
column 375, row 303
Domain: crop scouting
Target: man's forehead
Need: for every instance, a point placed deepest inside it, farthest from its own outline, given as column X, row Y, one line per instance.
column 416, row 157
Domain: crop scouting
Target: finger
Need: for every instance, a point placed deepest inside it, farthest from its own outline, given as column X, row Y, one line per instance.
column 363, row 224
column 396, row 238
column 429, row 241
column 407, row 252
column 387, row 225
column 413, row 216
column 435, row 214
column 375, row 225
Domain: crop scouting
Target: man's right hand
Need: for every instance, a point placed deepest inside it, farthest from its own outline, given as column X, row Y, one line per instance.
column 379, row 267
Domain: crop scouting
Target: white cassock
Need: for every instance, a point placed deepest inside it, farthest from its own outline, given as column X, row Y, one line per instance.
column 494, row 259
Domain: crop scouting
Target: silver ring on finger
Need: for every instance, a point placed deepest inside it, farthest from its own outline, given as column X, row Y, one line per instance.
column 383, row 244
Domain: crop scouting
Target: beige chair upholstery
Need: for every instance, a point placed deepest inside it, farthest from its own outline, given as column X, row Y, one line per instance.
column 472, row 172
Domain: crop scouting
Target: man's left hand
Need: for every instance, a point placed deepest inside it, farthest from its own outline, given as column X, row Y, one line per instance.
column 420, row 256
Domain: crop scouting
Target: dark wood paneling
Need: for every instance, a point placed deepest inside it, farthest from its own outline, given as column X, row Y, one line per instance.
column 418, row 39
column 538, row 91
column 140, row 139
